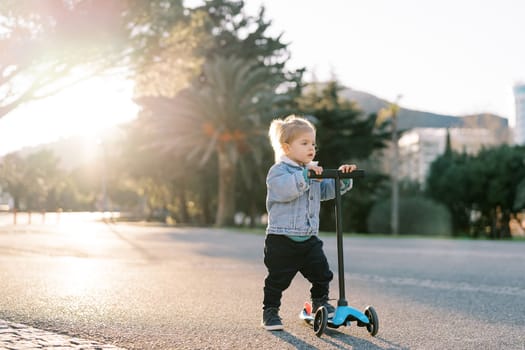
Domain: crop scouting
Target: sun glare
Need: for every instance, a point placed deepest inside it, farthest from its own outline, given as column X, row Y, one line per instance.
column 84, row 109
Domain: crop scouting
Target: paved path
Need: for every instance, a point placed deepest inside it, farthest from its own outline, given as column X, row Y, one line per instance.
column 193, row 288
column 16, row 336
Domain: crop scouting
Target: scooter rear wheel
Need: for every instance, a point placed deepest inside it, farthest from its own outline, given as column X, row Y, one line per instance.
column 373, row 324
column 320, row 321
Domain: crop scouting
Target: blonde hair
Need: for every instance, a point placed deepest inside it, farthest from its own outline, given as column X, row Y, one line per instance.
column 286, row 130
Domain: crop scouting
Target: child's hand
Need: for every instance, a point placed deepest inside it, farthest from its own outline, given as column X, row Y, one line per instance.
column 318, row 170
column 347, row 168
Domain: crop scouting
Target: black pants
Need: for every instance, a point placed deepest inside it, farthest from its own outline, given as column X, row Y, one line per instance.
column 284, row 258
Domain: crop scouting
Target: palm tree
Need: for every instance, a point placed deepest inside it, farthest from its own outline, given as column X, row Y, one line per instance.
column 219, row 115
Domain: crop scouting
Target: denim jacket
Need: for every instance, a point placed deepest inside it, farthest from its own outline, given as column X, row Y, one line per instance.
column 293, row 201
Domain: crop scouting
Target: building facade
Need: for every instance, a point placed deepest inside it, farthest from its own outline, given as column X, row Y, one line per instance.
column 419, row 147
column 519, row 128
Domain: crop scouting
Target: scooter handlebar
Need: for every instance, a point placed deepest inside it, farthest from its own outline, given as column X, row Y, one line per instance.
column 336, row 174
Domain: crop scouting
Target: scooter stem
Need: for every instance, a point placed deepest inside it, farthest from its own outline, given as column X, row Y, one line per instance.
column 337, row 175
column 339, row 232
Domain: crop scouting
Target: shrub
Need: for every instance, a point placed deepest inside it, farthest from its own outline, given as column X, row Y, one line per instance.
column 417, row 215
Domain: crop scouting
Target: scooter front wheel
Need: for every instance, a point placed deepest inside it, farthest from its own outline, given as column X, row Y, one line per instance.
column 320, row 321
column 373, row 324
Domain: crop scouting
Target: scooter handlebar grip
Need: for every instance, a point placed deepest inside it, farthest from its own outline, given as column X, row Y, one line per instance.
column 335, row 173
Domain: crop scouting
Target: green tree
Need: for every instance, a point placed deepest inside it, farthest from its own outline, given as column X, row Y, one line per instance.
column 41, row 177
column 487, row 183
column 166, row 46
column 145, row 163
column 418, row 215
column 29, row 180
column 519, row 202
column 501, row 170
column 448, row 183
column 12, row 171
column 236, row 34
column 226, row 106
column 81, row 188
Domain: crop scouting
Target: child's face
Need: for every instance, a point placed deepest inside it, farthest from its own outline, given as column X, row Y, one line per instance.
column 302, row 149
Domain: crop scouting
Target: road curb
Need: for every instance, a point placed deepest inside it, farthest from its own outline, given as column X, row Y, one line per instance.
column 16, row 336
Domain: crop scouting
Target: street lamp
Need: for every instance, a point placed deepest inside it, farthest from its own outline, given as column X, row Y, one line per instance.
column 104, row 185
column 394, row 215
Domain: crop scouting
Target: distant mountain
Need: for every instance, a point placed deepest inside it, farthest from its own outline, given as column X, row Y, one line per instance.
column 75, row 151
column 408, row 118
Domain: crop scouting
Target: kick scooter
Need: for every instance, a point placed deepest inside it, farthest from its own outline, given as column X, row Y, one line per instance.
column 344, row 314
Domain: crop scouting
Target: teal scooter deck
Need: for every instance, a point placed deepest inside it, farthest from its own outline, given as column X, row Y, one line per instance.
column 344, row 316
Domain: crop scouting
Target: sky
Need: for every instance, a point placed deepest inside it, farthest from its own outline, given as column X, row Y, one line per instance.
column 452, row 57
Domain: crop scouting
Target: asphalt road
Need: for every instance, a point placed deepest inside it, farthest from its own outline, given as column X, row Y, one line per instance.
column 146, row 287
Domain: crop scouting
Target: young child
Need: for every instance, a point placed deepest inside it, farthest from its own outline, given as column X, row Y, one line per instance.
column 293, row 203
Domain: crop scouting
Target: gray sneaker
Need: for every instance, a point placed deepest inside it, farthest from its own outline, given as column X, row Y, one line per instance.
column 318, row 302
column 271, row 320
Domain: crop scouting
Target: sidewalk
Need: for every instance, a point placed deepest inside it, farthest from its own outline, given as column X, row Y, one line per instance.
column 15, row 336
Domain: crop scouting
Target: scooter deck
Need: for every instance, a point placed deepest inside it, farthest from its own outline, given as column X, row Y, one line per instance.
column 344, row 315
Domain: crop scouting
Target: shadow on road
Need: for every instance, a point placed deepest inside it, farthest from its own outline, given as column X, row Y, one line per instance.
column 140, row 249
column 293, row 340
column 341, row 340
column 214, row 243
column 337, row 340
